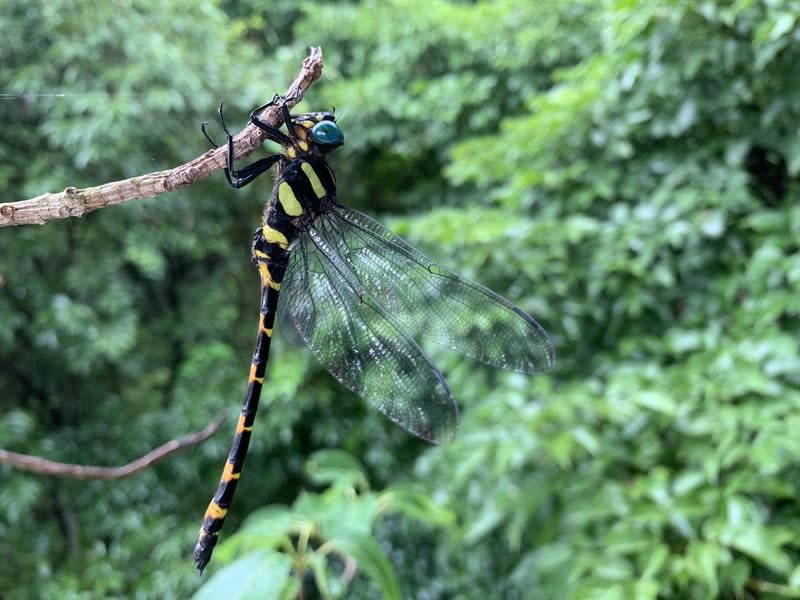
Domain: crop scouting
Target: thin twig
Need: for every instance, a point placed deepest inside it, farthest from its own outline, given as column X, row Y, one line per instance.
column 36, row 464
column 74, row 202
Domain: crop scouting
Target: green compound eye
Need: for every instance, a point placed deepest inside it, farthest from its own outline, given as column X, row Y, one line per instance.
column 327, row 133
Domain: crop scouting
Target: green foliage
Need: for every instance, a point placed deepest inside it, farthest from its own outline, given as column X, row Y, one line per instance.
column 625, row 171
column 325, row 536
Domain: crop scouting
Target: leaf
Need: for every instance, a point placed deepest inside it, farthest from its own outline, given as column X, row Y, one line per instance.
column 412, row 501
column 262, row 575
column 742, row 532
column 687, row 114
column 369, row 556
column 705, row 560
column 335, row 511
column 793, row 155
column 656, row 400
column 336, row 467
column 266, row 528
column 655, row 563
column 647, row 589
column 713, row 223
column 483, row 522
column 322, row 579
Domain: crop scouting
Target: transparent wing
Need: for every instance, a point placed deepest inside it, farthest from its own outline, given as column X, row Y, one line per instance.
column 295, row 276
column 361, row 345
column 436, row 303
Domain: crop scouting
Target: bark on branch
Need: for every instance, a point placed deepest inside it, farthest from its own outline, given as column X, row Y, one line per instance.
column 74, row 202
column 37, row 464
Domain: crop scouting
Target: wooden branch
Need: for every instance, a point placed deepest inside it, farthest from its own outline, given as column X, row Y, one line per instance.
column 74, row 202
column 36, row 464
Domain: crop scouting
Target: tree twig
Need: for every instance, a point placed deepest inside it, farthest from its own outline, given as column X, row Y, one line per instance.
column 36, row 464
column 74, row 202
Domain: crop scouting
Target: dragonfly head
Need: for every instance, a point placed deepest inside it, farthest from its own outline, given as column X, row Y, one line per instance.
column 321, row 129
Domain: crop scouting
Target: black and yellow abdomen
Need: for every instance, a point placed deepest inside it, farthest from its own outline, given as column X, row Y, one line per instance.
column 271, row 271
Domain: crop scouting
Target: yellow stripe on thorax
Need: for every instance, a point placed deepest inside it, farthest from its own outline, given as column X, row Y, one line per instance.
column 313, row 179
column 288, row 200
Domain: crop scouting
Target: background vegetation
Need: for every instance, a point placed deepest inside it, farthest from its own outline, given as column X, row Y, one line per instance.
column 625, row 171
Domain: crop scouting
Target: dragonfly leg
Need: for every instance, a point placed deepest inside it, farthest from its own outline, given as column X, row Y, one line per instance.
column 241, row 177
column 275, row 134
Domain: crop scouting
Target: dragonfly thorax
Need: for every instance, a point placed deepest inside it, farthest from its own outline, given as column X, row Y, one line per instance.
column 304, row 189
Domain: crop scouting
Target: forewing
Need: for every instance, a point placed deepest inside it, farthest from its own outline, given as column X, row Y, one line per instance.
column 436, row 303
column 361, row 345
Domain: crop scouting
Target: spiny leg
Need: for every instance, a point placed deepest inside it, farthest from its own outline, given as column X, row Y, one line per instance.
column 241, row 177
column 275, row 134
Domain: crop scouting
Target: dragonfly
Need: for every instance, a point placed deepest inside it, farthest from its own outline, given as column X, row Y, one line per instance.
column 357, row 295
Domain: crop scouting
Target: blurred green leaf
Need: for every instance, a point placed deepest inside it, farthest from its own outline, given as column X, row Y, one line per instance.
column 413, row 502
column 258, row 575
column 371, row 559
column 326, row 467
